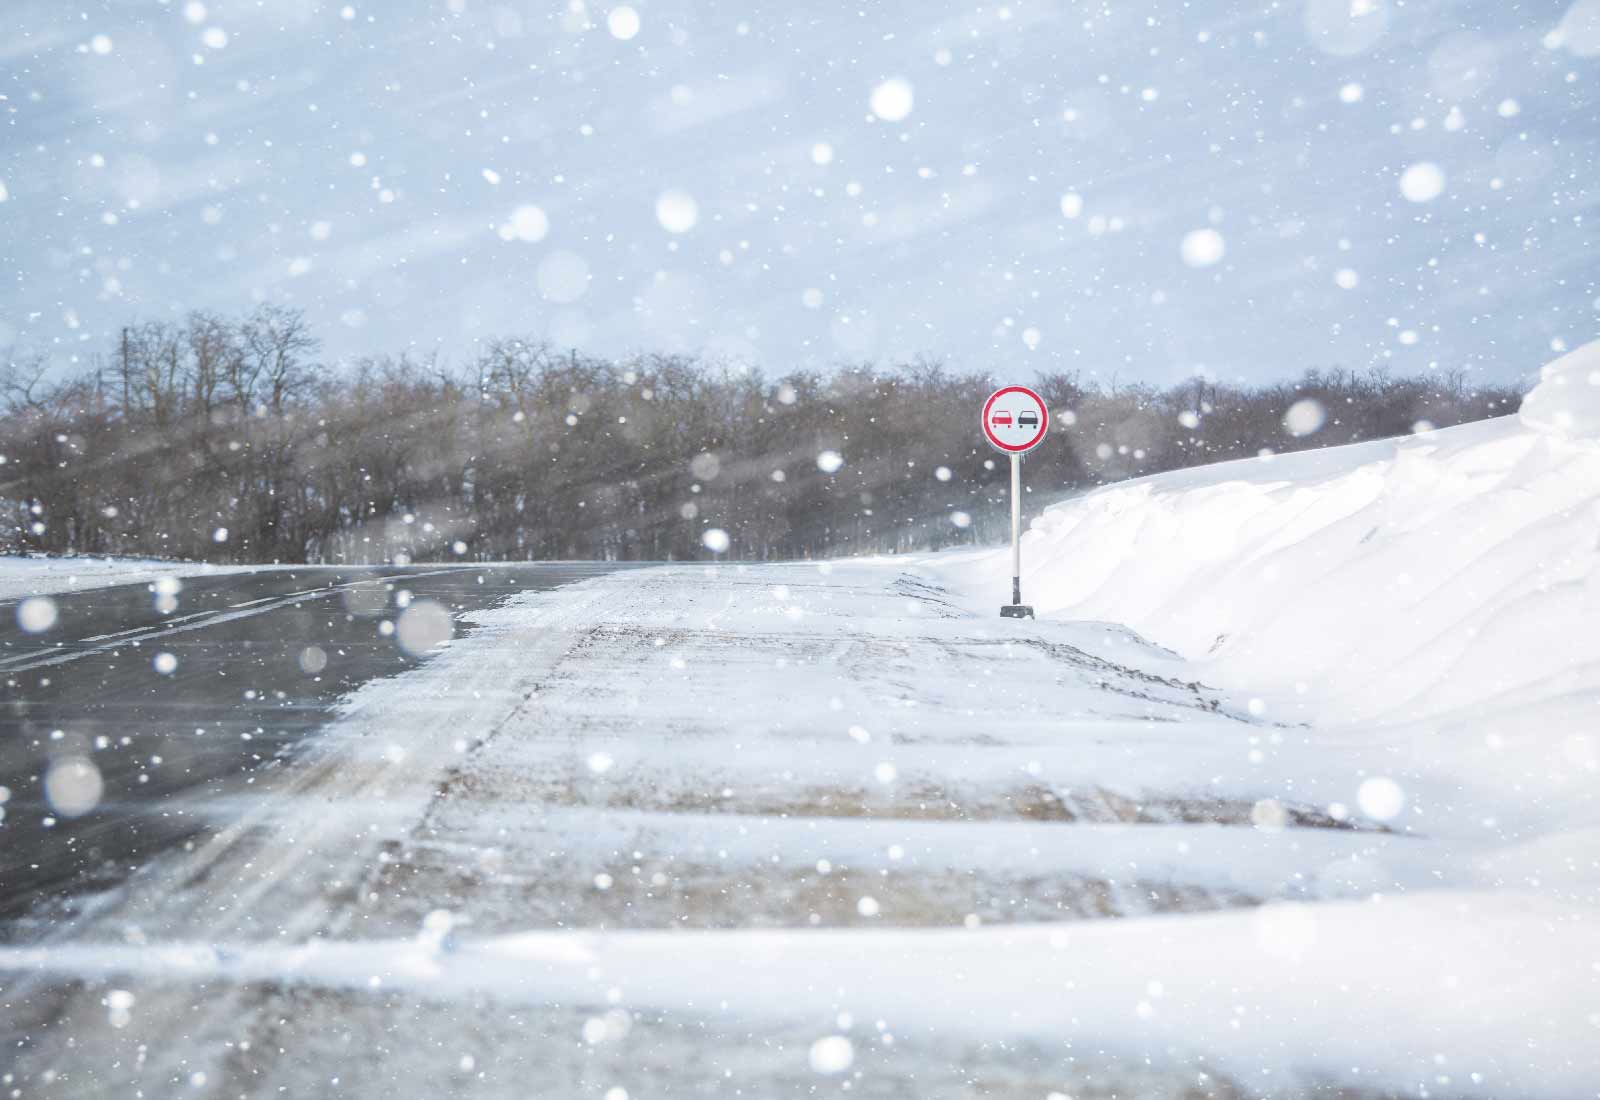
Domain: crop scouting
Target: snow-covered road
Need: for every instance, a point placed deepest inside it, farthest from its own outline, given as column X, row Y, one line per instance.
column 724, row 830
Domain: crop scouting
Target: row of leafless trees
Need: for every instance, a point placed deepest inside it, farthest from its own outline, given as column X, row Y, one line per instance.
column 224, row 439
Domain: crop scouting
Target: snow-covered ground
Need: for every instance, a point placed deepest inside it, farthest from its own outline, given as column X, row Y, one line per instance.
column 1327, row 821
column 1428, row 577
column 21, row 577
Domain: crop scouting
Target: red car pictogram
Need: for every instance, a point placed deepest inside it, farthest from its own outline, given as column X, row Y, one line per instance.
column 1001, row 418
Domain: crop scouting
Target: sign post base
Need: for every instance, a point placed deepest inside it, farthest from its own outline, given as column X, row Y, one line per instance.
column 1016, row 609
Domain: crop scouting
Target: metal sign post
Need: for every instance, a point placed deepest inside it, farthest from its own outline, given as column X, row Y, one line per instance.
column 1016, row 534
column 1014, row 421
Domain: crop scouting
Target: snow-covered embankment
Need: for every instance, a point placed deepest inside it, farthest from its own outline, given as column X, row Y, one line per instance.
column 1435, row 575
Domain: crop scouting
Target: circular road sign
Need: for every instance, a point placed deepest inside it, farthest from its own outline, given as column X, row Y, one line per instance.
column 1015, row 419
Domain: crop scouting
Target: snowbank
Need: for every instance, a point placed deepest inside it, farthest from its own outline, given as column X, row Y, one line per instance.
column 1566, row 402
column 1401, row 578
column 23, row 577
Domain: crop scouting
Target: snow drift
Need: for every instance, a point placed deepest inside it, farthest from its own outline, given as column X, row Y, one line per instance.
column 1403, row 578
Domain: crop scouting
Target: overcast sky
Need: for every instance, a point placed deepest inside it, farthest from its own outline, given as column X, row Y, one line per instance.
column 1134, row 190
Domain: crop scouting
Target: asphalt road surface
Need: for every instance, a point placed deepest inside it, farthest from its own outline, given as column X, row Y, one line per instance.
column 182, row 698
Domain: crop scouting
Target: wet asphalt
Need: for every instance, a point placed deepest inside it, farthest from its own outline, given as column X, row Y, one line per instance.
column 177, row 700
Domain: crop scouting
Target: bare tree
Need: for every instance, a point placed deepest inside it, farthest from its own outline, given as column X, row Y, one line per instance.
column 276, row 346
column 221, row 438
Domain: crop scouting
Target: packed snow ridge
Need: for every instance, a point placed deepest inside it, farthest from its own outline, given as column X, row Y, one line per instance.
column 1566, row 402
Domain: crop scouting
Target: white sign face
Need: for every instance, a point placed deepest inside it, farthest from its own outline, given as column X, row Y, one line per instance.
column 1015, row 419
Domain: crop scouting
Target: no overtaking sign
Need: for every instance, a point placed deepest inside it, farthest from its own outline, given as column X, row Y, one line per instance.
column 1015, row 419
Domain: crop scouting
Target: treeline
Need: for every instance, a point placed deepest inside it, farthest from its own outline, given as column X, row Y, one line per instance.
column 225, row 439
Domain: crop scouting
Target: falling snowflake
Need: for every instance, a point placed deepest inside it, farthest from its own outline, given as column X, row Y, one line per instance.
column 677, row 211
column 893, row 100
column 1202, row 247
column 831, row 1055
column 1304, row 417
column 36, row 614
column 623, row 22
column 1422, row 182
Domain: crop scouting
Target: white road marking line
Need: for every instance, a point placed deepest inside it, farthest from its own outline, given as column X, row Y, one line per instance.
column 44, row 658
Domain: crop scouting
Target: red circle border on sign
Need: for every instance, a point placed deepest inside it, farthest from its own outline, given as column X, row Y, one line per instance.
column 1044, row 420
